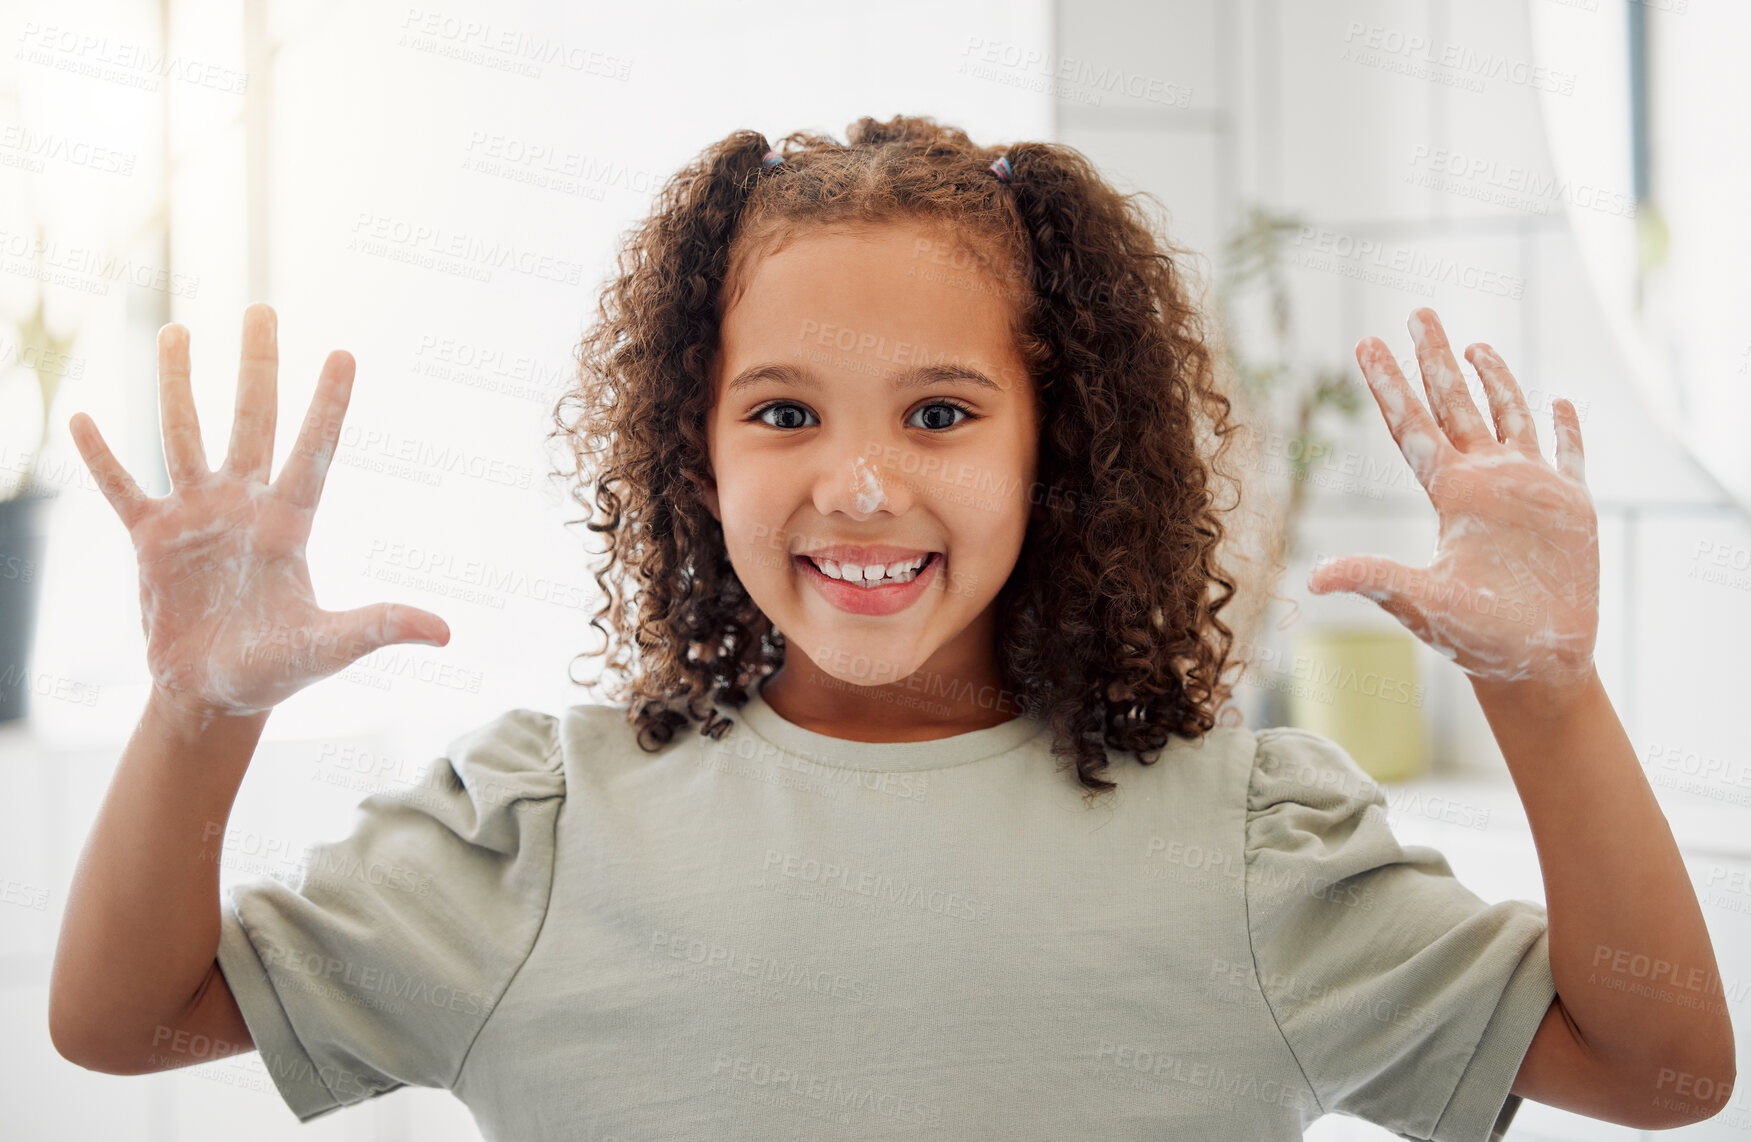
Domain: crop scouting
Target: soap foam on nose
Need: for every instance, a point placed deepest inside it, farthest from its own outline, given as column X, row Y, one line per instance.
column 867, row 487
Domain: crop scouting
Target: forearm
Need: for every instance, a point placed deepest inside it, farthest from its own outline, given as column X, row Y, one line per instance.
column 1629, row 949
column 141, row 928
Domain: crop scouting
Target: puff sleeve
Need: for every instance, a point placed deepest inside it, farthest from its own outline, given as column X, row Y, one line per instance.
column 1406, row 1000
column 378, row 968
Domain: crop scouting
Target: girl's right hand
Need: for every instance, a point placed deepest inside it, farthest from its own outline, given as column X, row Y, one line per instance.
column 231, row 621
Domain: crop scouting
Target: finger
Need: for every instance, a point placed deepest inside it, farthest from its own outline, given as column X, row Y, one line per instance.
column 300, row 481
column 1392, row 585
column 1419, row 438
column 113, row 480
column 251, row 453
column 1570, row 459
column 1514, row 425
column 356, row 633
column 1445, row 384
column 184, row 456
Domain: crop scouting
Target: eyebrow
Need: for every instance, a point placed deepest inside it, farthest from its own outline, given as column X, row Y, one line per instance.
column 919, row 376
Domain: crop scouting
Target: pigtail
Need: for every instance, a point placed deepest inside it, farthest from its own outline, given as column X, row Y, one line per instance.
column 660, row 317
column 1122, row 515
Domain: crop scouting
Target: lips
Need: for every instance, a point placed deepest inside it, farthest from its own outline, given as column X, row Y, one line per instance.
column 884, row 598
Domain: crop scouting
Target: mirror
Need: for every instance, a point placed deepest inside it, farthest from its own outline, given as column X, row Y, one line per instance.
column 1650, row 163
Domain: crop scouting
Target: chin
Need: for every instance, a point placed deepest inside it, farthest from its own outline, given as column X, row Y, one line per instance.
column 860, row 660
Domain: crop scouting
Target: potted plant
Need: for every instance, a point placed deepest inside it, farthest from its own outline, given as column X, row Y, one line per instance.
column 24, row 501
column 1353, row 683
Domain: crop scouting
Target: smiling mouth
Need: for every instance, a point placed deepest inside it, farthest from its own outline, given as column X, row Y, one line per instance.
column 853, row 576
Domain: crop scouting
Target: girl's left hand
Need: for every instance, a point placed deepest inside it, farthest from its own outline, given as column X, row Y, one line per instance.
column 1512, row 592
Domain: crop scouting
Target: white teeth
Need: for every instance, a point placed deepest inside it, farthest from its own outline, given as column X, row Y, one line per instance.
column 875, row 575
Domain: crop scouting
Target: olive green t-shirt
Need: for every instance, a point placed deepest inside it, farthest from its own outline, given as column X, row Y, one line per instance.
column 775, row 934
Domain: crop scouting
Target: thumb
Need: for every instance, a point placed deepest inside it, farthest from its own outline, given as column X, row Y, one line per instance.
column 1369, row 575
column 360, row 631
column 1394, row 586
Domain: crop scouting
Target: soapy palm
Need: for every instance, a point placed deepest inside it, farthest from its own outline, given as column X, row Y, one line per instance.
column 225, row 595
column 231, row 618
column 1512, row 591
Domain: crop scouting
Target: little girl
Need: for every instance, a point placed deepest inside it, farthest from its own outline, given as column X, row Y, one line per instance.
column 865, row 898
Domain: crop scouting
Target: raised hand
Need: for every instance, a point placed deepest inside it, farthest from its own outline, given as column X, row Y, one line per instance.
column 231, row 621
column 1512, row 592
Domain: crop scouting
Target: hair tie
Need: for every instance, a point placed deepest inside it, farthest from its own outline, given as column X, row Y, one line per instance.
column 1001, row 169
column 772, row 159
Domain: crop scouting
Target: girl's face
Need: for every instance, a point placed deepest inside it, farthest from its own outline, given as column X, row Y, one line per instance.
column 867, row 396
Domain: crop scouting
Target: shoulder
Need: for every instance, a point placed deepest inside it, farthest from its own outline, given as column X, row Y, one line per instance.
column 1304, row 768
column 1308, row 799
column 514, row 757
column 1281, row 763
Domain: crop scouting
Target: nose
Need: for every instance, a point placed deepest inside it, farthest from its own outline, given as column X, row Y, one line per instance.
column 854, row 482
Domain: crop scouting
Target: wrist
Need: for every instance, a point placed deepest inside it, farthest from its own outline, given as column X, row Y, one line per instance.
column 1540, row 698
column 191, row 718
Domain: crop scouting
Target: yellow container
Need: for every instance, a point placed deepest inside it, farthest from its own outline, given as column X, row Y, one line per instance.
column 1359, row 687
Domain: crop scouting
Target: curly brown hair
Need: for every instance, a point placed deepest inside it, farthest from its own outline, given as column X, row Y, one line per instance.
column 1109, row 622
